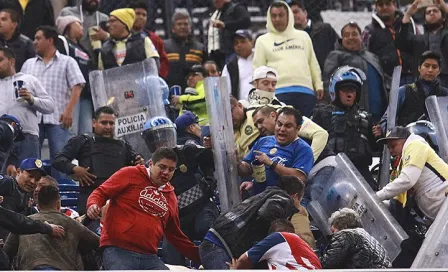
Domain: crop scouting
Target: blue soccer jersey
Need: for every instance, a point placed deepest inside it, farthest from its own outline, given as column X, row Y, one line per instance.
column 297, row 155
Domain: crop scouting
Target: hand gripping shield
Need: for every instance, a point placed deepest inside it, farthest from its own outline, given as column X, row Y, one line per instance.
column 438, row 114
column 217, row 96
column 347, row 188
column 134, row 92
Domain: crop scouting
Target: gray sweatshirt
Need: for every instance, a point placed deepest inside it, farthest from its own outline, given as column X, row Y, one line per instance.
column 26, row 113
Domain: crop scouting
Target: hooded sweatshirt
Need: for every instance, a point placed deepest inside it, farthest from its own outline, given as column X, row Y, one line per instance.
column 140, row 213
column 291, row 53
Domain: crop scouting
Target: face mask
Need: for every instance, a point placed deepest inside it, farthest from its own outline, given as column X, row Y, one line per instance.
column 259, row 97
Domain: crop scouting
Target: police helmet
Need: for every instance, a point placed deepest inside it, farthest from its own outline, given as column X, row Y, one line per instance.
column 159, row 132
column 343, row 76
column 426, row 130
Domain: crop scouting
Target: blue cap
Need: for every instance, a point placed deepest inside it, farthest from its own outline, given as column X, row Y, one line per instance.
column 245, row 33
column 18, row 132
column 30, row 164
column 186, row 119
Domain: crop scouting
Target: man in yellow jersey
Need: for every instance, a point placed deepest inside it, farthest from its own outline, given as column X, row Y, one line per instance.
column 422, row 170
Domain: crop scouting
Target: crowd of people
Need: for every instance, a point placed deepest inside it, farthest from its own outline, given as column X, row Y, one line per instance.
column 299, row 95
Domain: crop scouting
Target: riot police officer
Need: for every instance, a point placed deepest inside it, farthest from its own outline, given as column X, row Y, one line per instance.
column 193, row 183
column 349, row 127
column 10, row 132
column 99, row 155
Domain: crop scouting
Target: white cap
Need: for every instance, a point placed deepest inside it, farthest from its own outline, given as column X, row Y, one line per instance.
column 264, row 72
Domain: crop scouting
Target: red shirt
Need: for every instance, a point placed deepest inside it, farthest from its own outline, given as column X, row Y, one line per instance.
column 140, row 213
column 160, row 47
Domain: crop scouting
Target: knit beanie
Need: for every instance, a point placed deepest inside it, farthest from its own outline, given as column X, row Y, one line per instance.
column 125, row 15
column 63, row 21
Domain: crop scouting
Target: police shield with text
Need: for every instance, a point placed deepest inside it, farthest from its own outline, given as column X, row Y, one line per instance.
column 99, row 155
column 10, row 132
column 349, row 128
column 134, row 92
column 193, row 182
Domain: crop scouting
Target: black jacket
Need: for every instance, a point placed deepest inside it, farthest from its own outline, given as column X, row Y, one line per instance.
column 15, row 200
column 380, row 40
column 249, row 222
column 182, row 55
column 135, row 51
column 354, row 248
column 415, row 45
column 36, row 13
column 234, row 16
column 94, row 152
column 22, row 47
column 361, row 60
column 324, row 38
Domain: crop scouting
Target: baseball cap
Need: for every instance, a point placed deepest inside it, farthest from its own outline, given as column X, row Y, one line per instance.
column 396, row 133
column 33, row 164
column 243, row 33
column 263, row 72
column 195, row 69
column 186, row 119
column 11, row 118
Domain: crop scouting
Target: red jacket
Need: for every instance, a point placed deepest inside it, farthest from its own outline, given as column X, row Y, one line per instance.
column 140, row 214
column 160, row 46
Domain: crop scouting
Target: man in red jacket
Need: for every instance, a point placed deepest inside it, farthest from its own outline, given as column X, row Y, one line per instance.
column 143, row 207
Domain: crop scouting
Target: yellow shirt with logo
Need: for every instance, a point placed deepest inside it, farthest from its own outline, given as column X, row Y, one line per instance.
column 423, row 171
column 246, row 135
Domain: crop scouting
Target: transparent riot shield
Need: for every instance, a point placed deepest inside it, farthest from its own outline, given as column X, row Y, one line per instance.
column 434, row 250
column 133, row 91
column 438, row 114
column 347, row 188
column 384, row 177
column 217, row 95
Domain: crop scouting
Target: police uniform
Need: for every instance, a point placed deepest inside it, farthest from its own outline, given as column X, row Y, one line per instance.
column 104, row 156
column 349, row 128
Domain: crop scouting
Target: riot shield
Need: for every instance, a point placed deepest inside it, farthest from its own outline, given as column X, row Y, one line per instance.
column 434, row 250
column 384, row 177
column 133, row 91
column 347, row 188
column 438, row 114
column 217, row 95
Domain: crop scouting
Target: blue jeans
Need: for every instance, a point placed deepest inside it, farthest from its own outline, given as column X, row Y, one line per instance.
column 214, row 257
column 82, row 117
column 115, row 258
column 303, row 102
column 195, row 226
column 57, row 138
column 28, row 148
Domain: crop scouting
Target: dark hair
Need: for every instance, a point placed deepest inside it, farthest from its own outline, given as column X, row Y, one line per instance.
column 351, row 24
column 291, row 111
column 265, row 110
column 279, row 5
column 48, row 195
column 49, row 32
column 282, row 225
column 298, row 3
column 9, row 54
column 52, row 181
column 164, row 153
column 291, row 184
column 138, row 4
column 14, row 15
column 430, row 55
column 103, row 109
column 233, row 101
column 211, row 62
